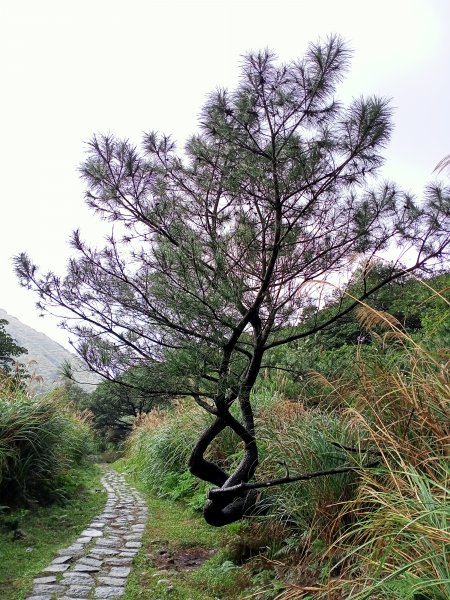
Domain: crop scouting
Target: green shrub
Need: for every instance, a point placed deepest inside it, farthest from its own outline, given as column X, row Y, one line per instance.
column 158, row 451
column 302, row 441
column 159, row 448
column 40, row 440
column 399, row 543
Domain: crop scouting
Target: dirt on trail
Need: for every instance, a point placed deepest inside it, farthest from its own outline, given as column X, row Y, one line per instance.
column 181, row 559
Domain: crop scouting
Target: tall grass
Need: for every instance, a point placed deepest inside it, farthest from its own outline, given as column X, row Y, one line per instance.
column 401, row 540
column 158, row 451
column 398, row 544
column 400, row 547
column 40, row 440
column 297, row 440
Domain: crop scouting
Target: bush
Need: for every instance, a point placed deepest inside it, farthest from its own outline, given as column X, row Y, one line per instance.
column 158, row 451
column 40, row 440
column 304, row 441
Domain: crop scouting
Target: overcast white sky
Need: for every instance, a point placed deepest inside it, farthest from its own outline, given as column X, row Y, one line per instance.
column 74, row 67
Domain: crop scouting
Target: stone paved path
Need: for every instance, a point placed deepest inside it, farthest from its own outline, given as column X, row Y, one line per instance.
column 97, row 565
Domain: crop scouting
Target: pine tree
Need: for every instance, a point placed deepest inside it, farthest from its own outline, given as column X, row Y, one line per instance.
column 221, row 246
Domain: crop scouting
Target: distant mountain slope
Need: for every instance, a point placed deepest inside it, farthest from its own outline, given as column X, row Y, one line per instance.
column 47, row 354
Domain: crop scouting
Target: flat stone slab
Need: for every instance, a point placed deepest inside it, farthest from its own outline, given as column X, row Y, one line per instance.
column 112, row 581
column 109, row 592
column 73, row 550
column 103, row 551
column 77, row 578
column 120, row 572
column 92, row 562
column 79, row 590
column 91, row 533
column 109, row 542
column 59, row 560
column 85, row 569
column 133, row 537
column 133, row 545
column 84, row 540
column 50, row 579
column 49, row 589
column 118, row 562
column 40, row 597
column 58, row 568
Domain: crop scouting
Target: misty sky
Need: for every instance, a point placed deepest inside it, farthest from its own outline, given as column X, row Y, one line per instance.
column 74, row 67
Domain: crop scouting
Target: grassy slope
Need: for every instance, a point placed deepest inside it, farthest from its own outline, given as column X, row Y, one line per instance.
column 175, row 528
column 45, row 531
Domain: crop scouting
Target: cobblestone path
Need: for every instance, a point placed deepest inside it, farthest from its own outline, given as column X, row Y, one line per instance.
column 97, row 565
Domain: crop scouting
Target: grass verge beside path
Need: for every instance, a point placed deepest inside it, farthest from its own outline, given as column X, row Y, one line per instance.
column 30, row 539
column 173, row 536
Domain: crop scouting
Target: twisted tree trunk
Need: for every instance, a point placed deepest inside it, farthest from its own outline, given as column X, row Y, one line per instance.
column 220, row 509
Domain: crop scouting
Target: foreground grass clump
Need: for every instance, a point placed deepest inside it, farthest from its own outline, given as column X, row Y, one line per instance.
column 401, row 538
column 29, row 539
column 396, row 544
column 41, row 440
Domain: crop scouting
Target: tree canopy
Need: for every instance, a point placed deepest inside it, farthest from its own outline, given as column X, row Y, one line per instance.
column 219, row 249
column 9, row 349
column 116, row 404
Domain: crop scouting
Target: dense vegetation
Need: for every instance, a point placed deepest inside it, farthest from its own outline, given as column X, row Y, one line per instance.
column 378, row 533
column 9, row 351
column 49, row 489
column 41, row 441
